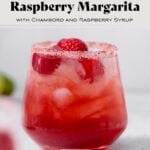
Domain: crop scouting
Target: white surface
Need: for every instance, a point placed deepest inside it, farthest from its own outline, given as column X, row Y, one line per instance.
column 133, row 44
column 137, row 134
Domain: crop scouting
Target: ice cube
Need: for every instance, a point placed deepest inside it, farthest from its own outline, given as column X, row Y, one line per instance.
column 63, row 97
column 76, row 65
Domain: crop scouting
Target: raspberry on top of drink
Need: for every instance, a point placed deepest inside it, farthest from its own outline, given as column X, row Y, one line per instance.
column 47, row 57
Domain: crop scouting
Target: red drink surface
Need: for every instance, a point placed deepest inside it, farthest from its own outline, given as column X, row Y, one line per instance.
column 66, row 112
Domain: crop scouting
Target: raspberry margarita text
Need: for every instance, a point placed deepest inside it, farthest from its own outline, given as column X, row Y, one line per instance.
column 80, row 6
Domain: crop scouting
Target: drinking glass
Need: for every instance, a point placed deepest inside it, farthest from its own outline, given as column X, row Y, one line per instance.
column 74, row 100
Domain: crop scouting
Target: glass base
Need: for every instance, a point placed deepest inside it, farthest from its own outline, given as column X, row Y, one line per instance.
column 99, row 148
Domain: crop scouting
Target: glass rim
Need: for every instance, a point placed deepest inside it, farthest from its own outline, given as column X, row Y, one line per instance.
column 97, row 49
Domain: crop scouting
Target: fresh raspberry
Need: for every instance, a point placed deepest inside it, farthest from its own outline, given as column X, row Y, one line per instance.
column 72, row 44
column 93, row 68
column 45, row 64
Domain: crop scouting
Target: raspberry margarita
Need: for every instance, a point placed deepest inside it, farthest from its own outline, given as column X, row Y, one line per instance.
column 74, row 97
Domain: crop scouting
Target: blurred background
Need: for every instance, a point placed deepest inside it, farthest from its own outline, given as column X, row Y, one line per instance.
column 134, row 59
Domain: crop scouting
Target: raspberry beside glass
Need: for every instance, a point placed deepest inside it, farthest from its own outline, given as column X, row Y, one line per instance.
column 74, row 99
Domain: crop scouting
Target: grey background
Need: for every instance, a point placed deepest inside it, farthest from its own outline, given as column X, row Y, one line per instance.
column 133, row 45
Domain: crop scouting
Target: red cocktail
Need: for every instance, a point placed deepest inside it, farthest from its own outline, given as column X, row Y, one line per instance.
column 74, row 98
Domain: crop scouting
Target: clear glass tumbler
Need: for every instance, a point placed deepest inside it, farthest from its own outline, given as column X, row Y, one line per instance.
column 69, row 107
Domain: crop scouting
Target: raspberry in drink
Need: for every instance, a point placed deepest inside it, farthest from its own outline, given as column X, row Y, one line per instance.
column 74, row 96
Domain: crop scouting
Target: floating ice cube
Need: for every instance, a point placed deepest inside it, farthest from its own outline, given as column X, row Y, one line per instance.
column 76, row 66
column 62, row 97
